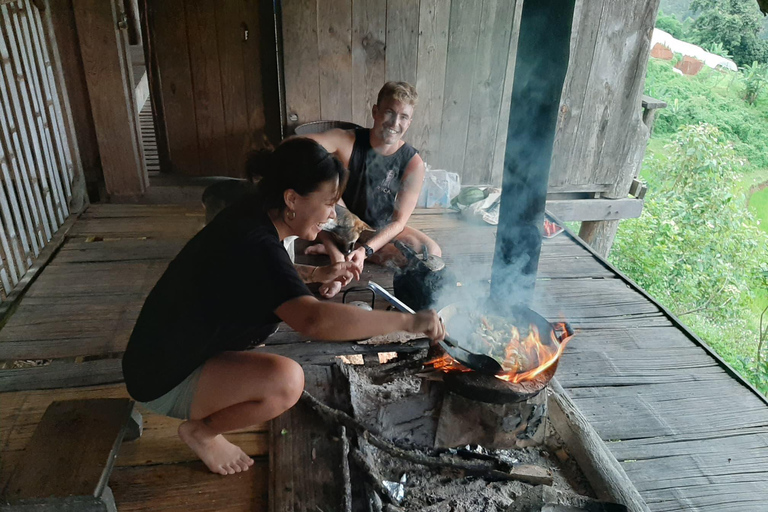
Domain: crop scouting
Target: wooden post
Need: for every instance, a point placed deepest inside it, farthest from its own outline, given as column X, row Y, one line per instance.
column 62, row 30
column 542, row 61
column 61, row 102
column 110, row 88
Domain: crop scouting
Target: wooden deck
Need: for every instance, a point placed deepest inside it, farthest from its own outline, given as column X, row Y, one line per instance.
column 688, row 433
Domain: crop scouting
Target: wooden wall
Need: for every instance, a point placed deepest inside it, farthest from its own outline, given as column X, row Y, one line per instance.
column 338, row 54
column 461, row 56
column 601, row 137
column 206, row 69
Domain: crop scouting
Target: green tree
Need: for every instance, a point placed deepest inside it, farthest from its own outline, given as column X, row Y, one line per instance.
column 670, row 25
column 755, row 79
column 696, row 247
column 736, row 24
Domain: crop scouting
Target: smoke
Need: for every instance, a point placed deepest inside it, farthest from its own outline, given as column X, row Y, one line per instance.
column 540, row 67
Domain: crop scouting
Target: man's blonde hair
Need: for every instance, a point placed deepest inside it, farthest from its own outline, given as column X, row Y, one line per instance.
column 400, row 91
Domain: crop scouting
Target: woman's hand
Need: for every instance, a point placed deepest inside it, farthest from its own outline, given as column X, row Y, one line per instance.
column 429, row 323
column 336, row 276
column 342, row 272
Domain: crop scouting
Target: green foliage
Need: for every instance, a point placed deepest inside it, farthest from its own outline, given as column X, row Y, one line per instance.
column 680, row 9
column 696, row 248
column 755, row 79
column 736, row 24
column 712, row 97
column 719, row 49
column 671, row 25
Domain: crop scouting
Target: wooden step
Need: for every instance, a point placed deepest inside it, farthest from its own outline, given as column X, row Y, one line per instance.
column 67, row 463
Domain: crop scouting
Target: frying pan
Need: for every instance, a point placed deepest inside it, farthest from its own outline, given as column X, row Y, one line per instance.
column 458, row 320
column 477, row 362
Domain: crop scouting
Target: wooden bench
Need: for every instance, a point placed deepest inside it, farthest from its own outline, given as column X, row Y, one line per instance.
column 67, row 463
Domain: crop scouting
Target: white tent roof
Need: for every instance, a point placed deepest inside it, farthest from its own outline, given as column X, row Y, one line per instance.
column 677, row 46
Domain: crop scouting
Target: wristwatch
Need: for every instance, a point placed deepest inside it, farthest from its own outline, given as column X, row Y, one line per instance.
column 368, row 250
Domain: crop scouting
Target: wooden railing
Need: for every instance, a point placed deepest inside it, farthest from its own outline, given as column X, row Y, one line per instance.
column 36, row 161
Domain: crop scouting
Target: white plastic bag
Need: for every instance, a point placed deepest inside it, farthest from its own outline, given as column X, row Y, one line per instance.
column 440, row 186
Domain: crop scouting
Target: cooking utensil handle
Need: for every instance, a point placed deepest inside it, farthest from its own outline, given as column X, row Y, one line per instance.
column 402, row 306
column 406, row 309
column 567, row 331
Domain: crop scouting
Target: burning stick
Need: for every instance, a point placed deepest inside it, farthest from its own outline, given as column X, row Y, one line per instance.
column 347, row 499
column 374, row 478
column 533, row 475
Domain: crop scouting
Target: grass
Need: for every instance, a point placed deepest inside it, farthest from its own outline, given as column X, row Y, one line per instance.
column 758, row 205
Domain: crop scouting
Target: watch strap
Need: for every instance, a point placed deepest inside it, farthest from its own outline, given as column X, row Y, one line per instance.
column 368, row 250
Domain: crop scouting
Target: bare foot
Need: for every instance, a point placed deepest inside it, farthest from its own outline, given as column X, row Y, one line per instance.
column 330, row 289
column 217, row 453
column 315, row 249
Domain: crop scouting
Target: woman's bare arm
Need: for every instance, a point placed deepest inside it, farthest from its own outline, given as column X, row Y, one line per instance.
column 338, row 322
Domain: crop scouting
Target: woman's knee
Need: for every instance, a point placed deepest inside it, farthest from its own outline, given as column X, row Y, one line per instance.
column 288, row 381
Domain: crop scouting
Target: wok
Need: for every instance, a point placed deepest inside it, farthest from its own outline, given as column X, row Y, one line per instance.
column 460, row 323
column 477, row 362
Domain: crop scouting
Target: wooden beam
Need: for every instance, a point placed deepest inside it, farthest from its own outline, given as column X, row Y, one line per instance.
column 545, row 29
column 79, row 200
column 595, row 209
column 61, row 28
column 652, row 103
column 110, row 88
column 599, row 235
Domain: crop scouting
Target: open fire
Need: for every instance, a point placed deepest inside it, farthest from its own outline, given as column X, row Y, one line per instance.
column 525, row 356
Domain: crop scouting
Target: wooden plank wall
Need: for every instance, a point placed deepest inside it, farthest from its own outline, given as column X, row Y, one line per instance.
column 461, row 57
column 338, row 54
column 38, row 168
column 209, row 81
column 601, row 138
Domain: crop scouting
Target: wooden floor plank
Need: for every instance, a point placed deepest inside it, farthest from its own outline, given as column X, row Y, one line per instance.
column 69, row 329
column 636, row 376
column 710, row 497
column 98, row 278
column 654, row 410
column 189, row 487
column 62, row 375
column 723, row 442
column 306, row 453
column 77, row 250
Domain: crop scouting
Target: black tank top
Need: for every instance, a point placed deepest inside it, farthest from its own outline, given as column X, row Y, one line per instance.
column 374, row 179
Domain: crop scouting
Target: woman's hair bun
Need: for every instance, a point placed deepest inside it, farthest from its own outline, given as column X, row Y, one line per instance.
column 259, row 164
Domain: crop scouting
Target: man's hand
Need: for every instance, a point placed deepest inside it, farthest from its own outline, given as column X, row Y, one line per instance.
column 343, row 272
column 357, row 257
column 429, row 323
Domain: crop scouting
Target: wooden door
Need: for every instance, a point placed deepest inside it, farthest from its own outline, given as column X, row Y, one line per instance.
column 206, row 73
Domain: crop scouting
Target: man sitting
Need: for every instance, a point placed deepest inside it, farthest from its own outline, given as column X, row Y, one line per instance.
column 385, row 179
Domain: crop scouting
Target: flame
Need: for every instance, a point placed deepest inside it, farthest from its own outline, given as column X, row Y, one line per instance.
column 519, row 354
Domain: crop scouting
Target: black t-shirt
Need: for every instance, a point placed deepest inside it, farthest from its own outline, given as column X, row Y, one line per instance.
column 218, row 294
column 374, row 179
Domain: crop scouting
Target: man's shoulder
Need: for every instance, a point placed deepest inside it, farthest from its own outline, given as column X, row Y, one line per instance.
column 341, row 134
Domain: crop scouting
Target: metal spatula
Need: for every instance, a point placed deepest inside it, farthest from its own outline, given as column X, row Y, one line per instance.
column 477, row 362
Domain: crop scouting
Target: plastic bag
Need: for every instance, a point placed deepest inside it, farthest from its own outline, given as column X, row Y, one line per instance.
column 440, row 186
column 485, row 210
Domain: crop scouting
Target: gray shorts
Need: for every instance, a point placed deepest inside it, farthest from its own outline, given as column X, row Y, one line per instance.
column 177, row 402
